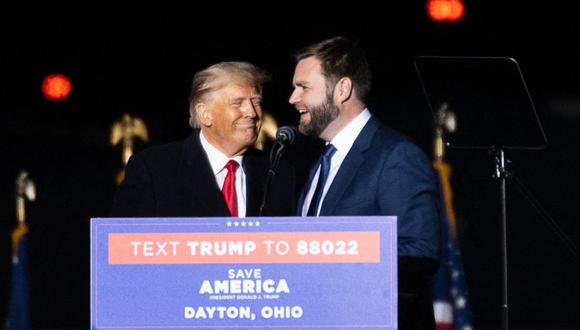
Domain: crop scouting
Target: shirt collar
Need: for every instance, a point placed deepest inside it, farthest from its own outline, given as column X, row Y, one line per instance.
column 217, row 159
column 344, row 140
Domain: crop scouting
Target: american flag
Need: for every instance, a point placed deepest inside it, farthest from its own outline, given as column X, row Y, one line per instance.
column 18, row 309
column 450, row 299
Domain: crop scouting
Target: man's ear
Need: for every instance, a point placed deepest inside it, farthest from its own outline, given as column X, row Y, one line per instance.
column 203, row 114
column 344, row 89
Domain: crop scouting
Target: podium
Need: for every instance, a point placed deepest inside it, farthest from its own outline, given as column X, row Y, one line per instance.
column 214, row 273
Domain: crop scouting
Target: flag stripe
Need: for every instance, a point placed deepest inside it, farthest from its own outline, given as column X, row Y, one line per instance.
column 443, row 311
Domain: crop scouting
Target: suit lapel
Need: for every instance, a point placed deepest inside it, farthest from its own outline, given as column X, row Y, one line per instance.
column 255, row 170
column 349, row 167
column 199, row 180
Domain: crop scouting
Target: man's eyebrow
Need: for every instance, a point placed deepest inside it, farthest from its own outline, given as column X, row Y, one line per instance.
column 240, row 99
column 301, row 83
column 237, row 99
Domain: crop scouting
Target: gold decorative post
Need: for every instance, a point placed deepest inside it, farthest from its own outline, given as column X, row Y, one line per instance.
column 25, row 190
column 267, row 132
column 125, row 131
column 445, row 123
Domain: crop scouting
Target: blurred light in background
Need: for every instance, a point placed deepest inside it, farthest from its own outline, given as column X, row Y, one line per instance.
column 56, row 87
column 450, row 11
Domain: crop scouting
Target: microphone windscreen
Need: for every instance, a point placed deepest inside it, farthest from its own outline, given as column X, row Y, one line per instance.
column 286, row 134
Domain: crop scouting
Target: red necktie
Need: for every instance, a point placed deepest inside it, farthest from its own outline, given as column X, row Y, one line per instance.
column 229, row 188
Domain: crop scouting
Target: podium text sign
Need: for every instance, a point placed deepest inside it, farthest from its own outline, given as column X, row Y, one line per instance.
column 228, row 273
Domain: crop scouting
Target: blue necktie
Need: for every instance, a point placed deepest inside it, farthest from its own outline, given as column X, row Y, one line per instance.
column 324, row 169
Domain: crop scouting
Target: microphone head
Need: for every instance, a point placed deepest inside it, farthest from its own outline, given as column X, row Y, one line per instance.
column 286, row 134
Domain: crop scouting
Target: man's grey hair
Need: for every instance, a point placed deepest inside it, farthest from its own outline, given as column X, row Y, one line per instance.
column 219, row 75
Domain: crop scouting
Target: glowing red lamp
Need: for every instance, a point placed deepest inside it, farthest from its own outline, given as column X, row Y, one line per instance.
column 56, row 87
column 445, row 10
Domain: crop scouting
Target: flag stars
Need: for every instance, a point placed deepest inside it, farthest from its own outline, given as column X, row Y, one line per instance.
column 460, row 302
column 243, row 223
column 229, row 223
column 236, row 223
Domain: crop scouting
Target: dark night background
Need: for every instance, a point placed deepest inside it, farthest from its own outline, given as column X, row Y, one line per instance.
column 142, row 63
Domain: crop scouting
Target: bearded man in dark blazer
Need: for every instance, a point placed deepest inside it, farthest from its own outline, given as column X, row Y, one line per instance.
column 368, row 169
column 214, row 172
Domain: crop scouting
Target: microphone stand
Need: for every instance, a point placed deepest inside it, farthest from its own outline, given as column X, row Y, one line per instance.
column 274, row 162
column 502, row 174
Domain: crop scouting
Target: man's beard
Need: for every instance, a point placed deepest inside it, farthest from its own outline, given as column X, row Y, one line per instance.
column 320, row 117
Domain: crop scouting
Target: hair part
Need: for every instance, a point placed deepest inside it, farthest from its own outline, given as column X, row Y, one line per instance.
column 341, row 57
column 219, row 75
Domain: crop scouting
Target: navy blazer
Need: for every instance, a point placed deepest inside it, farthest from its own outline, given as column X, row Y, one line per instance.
column 384, row 173
column 176, row 180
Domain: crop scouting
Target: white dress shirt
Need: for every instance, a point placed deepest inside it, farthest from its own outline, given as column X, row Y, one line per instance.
column 343, row 141
column 218, row 163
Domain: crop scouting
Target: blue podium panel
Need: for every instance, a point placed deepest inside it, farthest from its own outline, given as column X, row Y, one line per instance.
column 244, row 273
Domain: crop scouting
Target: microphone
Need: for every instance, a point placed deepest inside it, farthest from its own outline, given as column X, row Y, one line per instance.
column 286, row 135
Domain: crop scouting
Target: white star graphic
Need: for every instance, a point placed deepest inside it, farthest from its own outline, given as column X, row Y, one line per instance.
column 460, row 302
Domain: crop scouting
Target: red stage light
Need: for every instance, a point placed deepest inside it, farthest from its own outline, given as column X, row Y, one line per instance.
column 446, row 10
column 56, row 87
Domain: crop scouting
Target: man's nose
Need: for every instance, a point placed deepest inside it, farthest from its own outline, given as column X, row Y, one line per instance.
column 294, row 97
column 249, row 110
